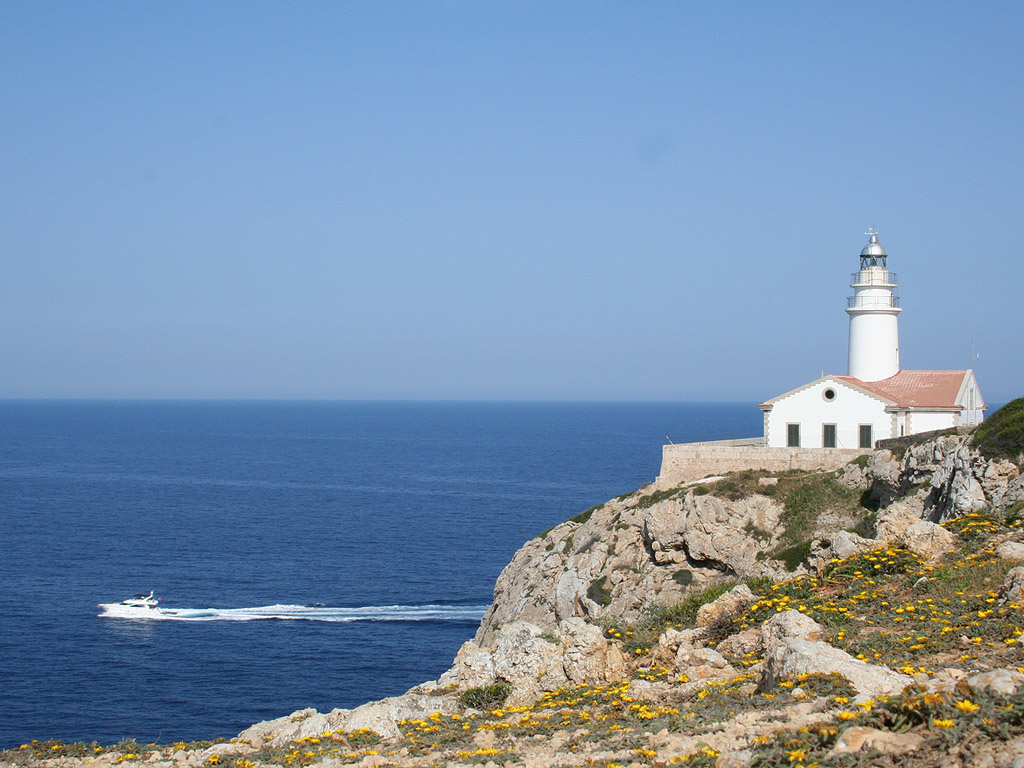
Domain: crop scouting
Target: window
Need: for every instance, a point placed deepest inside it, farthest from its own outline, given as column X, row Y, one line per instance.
column 829, row 395
column 828, row 435
column 865, row 436
column 793, row 435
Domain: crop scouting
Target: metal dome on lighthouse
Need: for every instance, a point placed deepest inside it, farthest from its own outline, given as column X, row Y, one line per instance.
column 874, row 312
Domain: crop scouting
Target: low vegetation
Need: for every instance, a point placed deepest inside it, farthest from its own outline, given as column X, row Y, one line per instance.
column 1001, row 435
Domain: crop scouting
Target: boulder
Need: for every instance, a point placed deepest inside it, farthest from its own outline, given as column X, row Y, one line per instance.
column 1010, row 550
column 527, row 662
column 381, row 717
column 847, row 544
column 789, row 625
column 742, row 643
column 927, row 540
column 473, row 667
column 587, row 656
column 883, row 476
column 790, row 650
column 997, row 478
column 703, row 664
column 1012, row 589
column 888, row 743
column 897, row 517
column 1001, row 681
column 956, row 490
column 674, row 641
column 852, row 476
column 726, row 607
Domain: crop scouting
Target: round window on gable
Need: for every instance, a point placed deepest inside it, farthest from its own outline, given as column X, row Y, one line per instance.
column 829, row 395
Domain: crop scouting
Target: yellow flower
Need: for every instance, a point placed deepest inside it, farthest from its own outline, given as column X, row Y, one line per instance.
column 942, row 723
column 966, row 706
column 796, row 754
column 846, row 715
column 867, row 704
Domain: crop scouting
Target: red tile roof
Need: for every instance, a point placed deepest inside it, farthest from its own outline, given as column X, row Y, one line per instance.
column 916, row 389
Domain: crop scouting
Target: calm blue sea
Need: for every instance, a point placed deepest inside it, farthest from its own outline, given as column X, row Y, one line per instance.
column 243, row 505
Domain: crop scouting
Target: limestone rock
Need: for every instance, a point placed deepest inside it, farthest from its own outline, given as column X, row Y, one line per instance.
column 789, row 625
column 996, row 478
column 726, row 607
column 789, row 650
column 710, row 532
column 742, row 643
column 897, row 517
column 846, row 544
column 1002, row 681
column 927, row 540
column 883, row 476
column 1010, row 550
column 859, row 737
column 587, row 656
column 956, row 490
column 527, row 662
column 703, row 664
column 1012, row 589
column 473, row 667
column 381, row 717
column 852, row 476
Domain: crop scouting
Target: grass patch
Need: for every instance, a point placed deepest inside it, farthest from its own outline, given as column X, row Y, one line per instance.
column 1001, row 435
column 795, row 556
column 756, row 531
column 599, row 592
column 653, row 498
column 486, row 697
column 585, row 515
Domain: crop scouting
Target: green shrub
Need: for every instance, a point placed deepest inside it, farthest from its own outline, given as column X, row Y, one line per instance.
column 598, row 592
column 795, row 556
column 1001, row 435
column 655, row 496
column 486, row 697
column 683, row 577
column 583, row 516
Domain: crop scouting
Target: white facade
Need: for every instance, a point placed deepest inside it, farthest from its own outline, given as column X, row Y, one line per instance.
column 827, row 401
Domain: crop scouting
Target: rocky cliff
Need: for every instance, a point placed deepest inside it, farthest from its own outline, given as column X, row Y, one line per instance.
column 869, row 616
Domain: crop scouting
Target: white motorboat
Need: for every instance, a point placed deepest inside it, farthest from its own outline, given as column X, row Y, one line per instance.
column 137, row 607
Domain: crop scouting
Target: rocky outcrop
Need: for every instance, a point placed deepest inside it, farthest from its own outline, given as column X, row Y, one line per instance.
column 381, row 717
column 927, row 540
column 631, row 553
column 957, row 478
column 713, row 533
column 533, row 662
column 1012, row 589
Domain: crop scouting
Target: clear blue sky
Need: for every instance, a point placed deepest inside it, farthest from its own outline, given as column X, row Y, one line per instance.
column 523, row 200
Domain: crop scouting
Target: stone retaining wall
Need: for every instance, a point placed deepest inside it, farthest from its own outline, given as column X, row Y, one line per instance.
column 692, row 461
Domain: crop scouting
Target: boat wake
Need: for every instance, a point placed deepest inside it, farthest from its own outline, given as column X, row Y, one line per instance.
column 466, row 613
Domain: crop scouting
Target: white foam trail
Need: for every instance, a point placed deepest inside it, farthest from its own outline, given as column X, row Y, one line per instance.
column 301, row 613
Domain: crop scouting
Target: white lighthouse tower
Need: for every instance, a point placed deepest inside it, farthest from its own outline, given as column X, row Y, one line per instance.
column 874, row 311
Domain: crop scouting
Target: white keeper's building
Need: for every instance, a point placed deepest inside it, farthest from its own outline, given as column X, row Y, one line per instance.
column 875, row 399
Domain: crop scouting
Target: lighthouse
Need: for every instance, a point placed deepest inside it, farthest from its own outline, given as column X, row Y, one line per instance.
column 876, row 399
column 874, row 311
